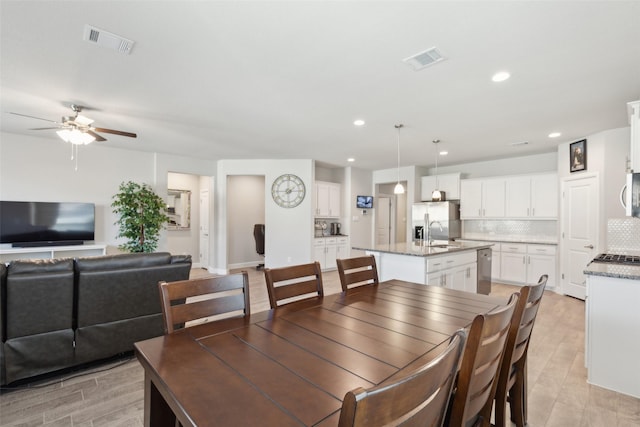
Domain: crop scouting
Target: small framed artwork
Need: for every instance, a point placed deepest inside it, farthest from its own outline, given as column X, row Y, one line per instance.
column 578, row 156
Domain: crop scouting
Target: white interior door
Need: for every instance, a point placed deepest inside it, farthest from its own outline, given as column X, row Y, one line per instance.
column 579, row 232
column 204, row 228
column 383, row 221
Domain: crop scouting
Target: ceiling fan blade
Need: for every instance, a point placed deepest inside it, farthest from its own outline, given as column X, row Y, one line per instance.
column 116, row 132
column 32, row 117
column 58, row 127
column 96, row 136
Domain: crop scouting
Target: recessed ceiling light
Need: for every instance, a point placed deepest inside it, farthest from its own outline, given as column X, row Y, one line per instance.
column 444, row 153
column 359, row 122
column 351, row 159
column 500, row 76
column 554, row 134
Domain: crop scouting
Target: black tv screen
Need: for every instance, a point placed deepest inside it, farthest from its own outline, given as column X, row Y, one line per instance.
column 364, row 202
column 46, row 223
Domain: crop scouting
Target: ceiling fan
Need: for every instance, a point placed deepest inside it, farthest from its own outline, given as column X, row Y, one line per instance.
column 78, row 129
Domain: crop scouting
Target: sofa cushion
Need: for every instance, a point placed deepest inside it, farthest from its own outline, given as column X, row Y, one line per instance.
column 122, row 261
column 38, row 297
column 108, row 296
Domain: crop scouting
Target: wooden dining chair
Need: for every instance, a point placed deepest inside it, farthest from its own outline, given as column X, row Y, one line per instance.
column 417, row 399
column 297, row 280
column 512, row 384
column 357, row 271
column 209, row 297
column 475, row 387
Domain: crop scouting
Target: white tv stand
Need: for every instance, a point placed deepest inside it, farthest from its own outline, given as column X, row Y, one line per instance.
column 49, row 252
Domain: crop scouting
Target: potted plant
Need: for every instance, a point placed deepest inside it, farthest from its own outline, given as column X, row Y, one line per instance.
column 142, row 214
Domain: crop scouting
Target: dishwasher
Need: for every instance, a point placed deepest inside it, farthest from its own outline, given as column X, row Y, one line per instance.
column 484, row 271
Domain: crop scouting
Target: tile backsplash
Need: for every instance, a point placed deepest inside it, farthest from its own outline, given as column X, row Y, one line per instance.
column 544, row 231
column 623, row 234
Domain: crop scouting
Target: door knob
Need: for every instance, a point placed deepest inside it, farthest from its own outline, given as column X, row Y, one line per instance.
column 589, row 246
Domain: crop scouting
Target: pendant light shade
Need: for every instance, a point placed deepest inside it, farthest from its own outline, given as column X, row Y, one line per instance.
column 399, row 189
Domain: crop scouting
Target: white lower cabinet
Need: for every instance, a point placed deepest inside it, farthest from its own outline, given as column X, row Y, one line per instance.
column 453, row 271
column 525, row 263
column 342, row 248
column 513, row 258
column 327, row 249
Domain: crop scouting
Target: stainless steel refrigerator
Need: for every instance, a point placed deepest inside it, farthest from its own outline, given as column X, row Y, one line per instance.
column 439, row 219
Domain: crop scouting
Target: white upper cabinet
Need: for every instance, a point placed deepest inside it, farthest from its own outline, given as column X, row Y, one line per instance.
column 634, row 121
column 449, row 183
column 327, row 199
column 531, row 196
column 482, row 198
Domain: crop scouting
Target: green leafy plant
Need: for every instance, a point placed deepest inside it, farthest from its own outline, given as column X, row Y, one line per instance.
column 142, row 214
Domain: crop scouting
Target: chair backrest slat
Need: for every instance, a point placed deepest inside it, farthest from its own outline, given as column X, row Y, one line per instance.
column 419, row 398
column 297, row 280
column 357, row 271
column 476, row 384
column 194, row 299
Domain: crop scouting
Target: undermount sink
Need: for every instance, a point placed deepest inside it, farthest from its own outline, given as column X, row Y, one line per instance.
column 444, row 246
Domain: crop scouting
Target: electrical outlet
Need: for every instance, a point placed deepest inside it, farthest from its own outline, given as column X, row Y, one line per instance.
column 288, row 259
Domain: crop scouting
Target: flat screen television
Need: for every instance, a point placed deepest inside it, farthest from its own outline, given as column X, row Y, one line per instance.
column 364, row 202
column 25, row 224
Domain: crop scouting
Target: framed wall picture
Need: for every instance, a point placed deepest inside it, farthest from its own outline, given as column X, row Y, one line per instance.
column 578, row 156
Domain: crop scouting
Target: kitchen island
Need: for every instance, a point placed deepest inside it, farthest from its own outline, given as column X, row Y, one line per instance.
column 447, row 264
column 612, row 318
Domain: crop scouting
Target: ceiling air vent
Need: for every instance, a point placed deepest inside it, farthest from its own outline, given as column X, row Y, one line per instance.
column 107, row 39
column 424, row 59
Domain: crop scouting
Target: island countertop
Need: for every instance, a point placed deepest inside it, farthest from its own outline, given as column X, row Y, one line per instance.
column 413, row 249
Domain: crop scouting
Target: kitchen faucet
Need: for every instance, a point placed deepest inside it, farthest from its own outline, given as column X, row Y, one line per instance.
column 429, row 240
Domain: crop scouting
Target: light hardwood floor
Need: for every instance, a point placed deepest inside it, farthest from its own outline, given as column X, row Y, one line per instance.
column 559, row 396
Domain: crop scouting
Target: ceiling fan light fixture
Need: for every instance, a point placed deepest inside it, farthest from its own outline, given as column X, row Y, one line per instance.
column 75, row 136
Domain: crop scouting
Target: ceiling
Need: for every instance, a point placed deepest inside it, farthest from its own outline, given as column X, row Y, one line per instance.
column 229, row 80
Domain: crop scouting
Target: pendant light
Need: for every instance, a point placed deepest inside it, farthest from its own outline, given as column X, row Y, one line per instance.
column 436, row 196
column 399, row 189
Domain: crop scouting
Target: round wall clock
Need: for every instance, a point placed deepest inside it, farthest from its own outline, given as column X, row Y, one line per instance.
column 288, row 191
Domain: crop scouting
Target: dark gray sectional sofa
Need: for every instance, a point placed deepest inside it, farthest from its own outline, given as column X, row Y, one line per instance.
column 60, row 313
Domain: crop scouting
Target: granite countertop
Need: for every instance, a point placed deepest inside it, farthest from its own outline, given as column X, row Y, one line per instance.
column 412, row 249
column 619, row 271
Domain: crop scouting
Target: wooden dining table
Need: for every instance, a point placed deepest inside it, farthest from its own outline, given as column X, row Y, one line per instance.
column 292, row 366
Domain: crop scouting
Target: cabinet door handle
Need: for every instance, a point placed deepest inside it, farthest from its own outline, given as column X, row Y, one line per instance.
column 527, row 211
column 589, row 246
column 523, row 260
column 533, row 211
column 479, row 212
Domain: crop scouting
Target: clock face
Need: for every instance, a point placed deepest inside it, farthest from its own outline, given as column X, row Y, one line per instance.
column 288, row 191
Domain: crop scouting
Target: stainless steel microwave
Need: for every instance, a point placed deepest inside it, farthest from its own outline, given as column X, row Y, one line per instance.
column 630, row 195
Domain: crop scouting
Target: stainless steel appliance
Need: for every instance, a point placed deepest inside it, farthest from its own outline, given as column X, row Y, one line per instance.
column 630, row 195
column 484, row 271
column 335, row 228
column 618, row 259
column 436, row 220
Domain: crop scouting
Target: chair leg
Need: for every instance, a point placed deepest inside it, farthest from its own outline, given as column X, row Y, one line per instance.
column 517, row 398
column 500, row 410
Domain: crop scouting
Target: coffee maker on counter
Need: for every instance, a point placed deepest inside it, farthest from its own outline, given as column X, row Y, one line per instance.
column 335, row 228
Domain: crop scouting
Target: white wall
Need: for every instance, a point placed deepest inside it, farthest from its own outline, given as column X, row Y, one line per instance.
column 536, row 163
column 607, row 154
column 246, row 202
column 40, row 169
column 288, row 232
